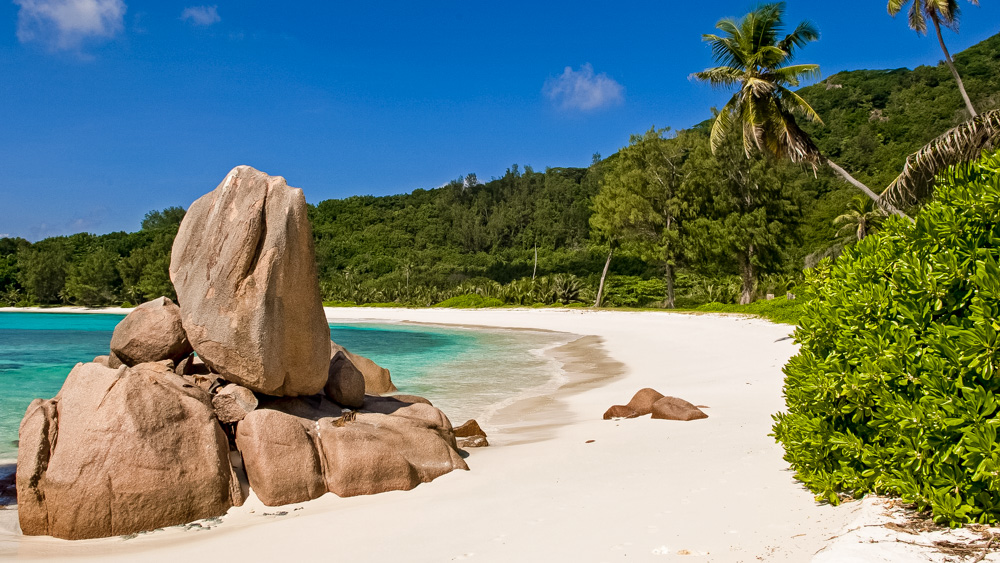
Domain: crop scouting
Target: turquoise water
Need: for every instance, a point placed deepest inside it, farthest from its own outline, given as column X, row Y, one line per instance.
column 466, row 373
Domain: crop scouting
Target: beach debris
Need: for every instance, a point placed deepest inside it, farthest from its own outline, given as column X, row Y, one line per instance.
column 345, row 384
column 150, row 333
column 672, row 408
column 233, row 402
column 121, row 451
column 642, row 401
column 377, row 379
column 650, row 401
column 620, row 411
column 470, row 435
column 296, row 449
column 244, row 270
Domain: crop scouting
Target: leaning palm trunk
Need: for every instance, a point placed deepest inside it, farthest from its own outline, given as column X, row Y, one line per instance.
column 960, row 144
column 954, row 72
column 868, row 191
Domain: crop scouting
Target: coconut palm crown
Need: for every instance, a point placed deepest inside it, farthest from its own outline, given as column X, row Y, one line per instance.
column 755, row 58
column 940, row 12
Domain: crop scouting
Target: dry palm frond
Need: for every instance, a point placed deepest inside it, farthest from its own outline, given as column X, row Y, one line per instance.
column 960, row 144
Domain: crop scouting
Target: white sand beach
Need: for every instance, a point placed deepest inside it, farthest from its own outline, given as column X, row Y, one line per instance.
column 558, row 482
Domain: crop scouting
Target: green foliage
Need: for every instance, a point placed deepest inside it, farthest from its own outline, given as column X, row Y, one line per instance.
column 748, row 217
column 633, row 291
column 42, row 272
column 778, row 310
column 167, row 220
column 894, row 387
column 642, row 203
column 470, row 301
column 93, row 280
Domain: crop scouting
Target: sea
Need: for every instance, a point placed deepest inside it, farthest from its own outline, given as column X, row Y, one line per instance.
column 467, row 373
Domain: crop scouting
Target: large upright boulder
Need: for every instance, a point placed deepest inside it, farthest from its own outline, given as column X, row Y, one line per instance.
column 121, row 451
column 244, row 269
column 150, row 333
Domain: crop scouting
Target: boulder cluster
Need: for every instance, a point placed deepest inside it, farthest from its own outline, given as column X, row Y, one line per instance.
column 650, row 401
column 237, row 388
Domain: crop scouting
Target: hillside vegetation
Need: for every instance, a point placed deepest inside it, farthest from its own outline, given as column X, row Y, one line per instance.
column 493, row 238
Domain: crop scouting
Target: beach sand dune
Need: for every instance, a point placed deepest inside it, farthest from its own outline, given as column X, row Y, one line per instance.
column 559, row 483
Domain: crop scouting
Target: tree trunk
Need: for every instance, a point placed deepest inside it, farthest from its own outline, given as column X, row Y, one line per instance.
column 747, row 276
column 535, row 269
column 868, row 191
column 604, row 274
column 670, row 287
column 951, row 64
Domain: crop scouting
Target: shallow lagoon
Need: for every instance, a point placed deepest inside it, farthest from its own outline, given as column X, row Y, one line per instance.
column 467, row 373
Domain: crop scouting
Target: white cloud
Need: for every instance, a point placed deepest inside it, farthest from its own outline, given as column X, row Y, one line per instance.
column 583, row 90
column 201, row 15
column 66, row 24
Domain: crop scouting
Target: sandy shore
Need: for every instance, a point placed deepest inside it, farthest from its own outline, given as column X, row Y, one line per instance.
column 560, row 483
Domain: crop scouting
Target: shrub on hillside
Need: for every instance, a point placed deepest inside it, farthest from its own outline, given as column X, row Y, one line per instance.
column 470, row 301
column 894, row 387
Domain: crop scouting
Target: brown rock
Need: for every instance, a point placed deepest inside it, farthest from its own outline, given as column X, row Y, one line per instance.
column 345, row 385
column 121, row 451
column 672, row 408
column 114, row 362
column 411, row 399
column 103, row 360
column 150, row 333
column 233, row 402
column 642, row 402
column 469, row 429
column 377, row 380
column 296, row 449
column 472, row 442
column 244, row 269
column 470, row 435
column 192, row 365
column 279, row 457
column 620, row 411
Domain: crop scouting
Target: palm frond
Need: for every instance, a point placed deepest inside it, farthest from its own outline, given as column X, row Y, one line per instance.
column 963, row 143
column 797, row 102
column 916, row 18
column 723, row 123
column 722, row 76
column 895, row 6
column 803, row 34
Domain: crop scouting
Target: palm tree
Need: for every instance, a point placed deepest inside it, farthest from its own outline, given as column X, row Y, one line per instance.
column 860, row 220
column 963, row 143
column 754, row 58
column 939, row 12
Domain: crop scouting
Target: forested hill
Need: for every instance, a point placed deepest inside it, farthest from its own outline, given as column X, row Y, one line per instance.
column 419, row 247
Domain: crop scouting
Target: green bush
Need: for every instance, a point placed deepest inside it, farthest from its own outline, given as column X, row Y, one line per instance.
column 470, row 301
column 778, row 310
column 633, row 291
column 894, row 387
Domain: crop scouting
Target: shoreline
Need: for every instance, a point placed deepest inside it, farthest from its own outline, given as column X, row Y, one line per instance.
column 561, row 483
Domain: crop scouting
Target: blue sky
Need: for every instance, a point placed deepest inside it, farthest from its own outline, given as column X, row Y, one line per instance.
column 112, row 108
